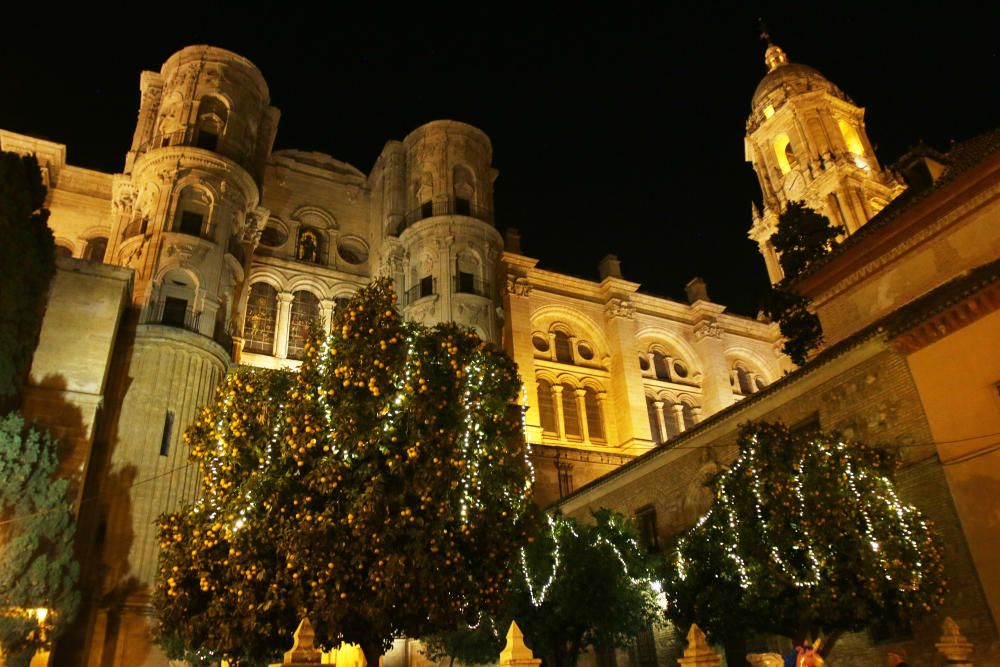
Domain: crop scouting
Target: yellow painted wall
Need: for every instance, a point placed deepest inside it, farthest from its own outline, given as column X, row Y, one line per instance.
column 957, row 378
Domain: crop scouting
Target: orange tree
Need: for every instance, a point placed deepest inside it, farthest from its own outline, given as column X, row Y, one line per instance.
column 379, row 491
column 807, row 535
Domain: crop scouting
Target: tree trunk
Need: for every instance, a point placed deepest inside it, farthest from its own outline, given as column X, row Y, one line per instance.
column 736, row 652
column 372, row 651
column 829, row 642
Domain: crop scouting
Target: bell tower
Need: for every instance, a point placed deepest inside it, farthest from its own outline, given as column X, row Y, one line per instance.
column 807, row 141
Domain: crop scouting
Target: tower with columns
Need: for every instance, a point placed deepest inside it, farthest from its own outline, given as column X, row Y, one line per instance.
column 185, row 213
column 807, row 142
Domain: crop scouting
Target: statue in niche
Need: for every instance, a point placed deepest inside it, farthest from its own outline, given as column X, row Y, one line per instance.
column 308, row 246
column 698, row 495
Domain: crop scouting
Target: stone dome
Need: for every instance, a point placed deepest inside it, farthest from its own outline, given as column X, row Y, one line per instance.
column 796, row 78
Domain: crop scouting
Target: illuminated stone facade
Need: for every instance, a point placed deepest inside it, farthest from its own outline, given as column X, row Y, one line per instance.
column 223, row 251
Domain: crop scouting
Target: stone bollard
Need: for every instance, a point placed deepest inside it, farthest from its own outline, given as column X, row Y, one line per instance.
column 698, row 653
column 303, row 652
column 955, row 648
column 515, row 653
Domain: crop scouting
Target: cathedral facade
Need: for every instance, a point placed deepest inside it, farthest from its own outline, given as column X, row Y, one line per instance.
column 210, row 250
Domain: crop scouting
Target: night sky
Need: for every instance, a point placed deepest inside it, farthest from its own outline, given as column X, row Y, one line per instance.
column 616, row 127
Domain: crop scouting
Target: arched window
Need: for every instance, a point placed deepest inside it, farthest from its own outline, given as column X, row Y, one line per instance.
column 191, row 216
column 546, row 408
column 564, row 347
column 96, row 247
column 212, row 118
column 851, row 137
column 177, row 291
column 304, row 313
column 571, row 415
column 783, row 151
column 63, row 251
column 262, row 315
column 661, row 365
column 595, row 420
column 688, row 413
column 464, row 190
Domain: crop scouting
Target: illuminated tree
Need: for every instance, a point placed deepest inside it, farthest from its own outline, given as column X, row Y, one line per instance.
column 578, row 586
column 379, row 490
column 27, row 264
column 38, row 571
column 807, row 535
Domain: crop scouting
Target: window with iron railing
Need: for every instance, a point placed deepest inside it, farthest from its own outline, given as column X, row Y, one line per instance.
column 426, row 287
column 467, row 283
column 450, row 206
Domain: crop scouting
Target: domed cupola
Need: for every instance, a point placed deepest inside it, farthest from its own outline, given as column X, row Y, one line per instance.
column 807, row 142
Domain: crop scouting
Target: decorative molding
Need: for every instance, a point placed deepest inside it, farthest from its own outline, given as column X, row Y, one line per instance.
column 707, row 328
column 620, row 308
column 124, row 195
column 519, row 286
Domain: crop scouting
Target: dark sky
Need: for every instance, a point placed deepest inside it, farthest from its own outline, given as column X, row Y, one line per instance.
column 616, row 127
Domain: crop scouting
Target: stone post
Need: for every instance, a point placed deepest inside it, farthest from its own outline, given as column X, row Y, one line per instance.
column 955, row 648
column 516, row 653
column 303, row 652
column 698, row 653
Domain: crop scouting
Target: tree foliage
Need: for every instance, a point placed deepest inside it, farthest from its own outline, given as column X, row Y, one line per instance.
column 807, row 534
column 803, row 236
column 379, row 490
column 578, row 586
column 27, row 264
column 37, row 566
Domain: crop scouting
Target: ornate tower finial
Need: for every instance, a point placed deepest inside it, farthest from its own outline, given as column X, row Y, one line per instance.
column 775, row 56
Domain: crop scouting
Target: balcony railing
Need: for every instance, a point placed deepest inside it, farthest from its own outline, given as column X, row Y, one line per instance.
column 171, row 317
column 420, row 290
column 450, row 206
column 469, row 285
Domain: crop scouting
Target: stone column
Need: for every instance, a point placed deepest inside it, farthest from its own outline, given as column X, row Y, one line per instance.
column 602, row 396
column 516, row 337
column 281, row 327
column 696, row 414
column 326, row 307
column 634, row 434
column 660, row 421
column 716, row 389
column 557, row 390
column 678, row 416
column 581, row 413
